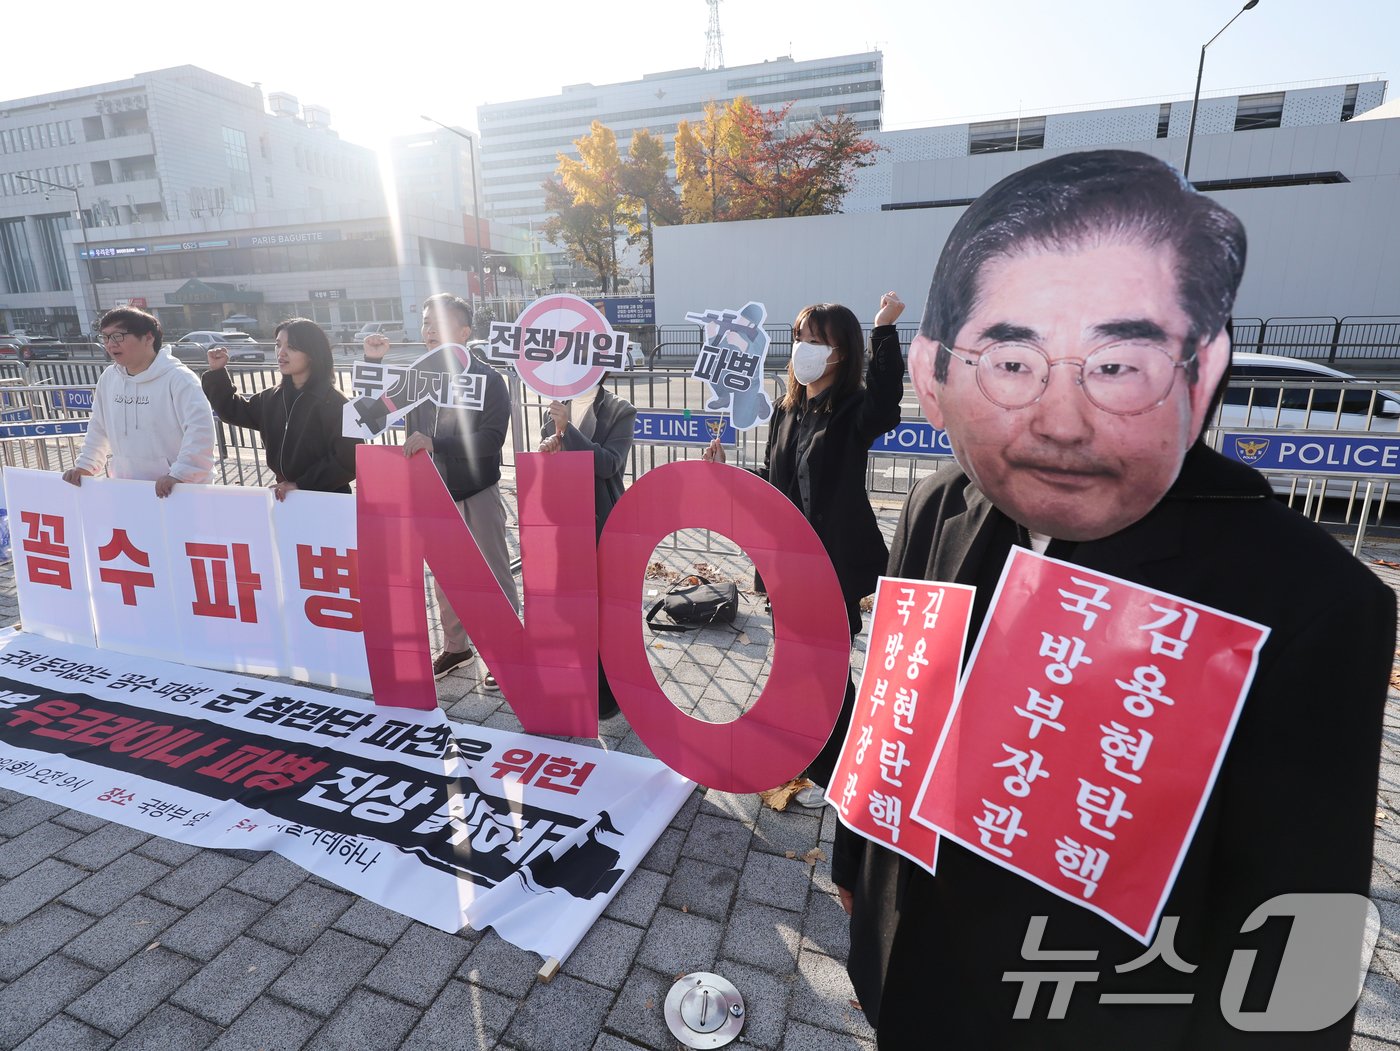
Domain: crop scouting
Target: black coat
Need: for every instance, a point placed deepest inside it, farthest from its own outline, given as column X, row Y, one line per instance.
column 466, row 442
column 840, row 511
column 607, row 432
column 1292, row 810
column 301, row 431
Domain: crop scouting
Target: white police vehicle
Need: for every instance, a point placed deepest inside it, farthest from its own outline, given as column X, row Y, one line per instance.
column 1271, row 393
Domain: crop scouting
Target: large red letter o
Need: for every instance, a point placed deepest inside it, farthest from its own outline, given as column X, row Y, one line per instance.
column 794, row 715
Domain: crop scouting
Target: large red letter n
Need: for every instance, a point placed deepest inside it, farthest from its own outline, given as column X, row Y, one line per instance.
column 548, row 667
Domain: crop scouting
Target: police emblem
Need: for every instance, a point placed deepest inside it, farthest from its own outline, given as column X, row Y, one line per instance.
column 1251, row 450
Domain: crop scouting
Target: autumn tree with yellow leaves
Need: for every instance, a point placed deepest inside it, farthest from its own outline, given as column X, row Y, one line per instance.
column 595, row 180
column 739, row 162
column 743, row 162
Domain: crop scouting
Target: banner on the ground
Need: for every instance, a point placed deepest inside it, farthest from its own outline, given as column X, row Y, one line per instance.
column 447, row 823
column 1089, row 728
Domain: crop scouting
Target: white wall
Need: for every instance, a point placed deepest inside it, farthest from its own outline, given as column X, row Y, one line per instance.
column 788, row 263
column 1326, row 250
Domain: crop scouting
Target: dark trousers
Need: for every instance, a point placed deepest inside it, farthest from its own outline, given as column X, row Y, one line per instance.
column 821, row 767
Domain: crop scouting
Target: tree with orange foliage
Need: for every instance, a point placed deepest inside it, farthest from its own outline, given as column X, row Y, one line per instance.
column 743, row 162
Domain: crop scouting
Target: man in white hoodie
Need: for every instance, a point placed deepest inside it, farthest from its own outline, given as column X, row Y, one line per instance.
column 149, row 413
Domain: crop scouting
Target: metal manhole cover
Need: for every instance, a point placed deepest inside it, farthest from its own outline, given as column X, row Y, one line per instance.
column 704, row 1010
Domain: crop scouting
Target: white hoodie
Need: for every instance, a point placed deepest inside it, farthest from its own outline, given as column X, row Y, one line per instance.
column 155, row 423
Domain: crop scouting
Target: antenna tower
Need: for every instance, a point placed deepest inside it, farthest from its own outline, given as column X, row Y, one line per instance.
column 714, row 43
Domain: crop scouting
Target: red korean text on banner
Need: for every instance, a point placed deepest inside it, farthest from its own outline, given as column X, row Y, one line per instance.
column 331, row 577
column 1088, row 731
column 917, row 633
column 120, row 547
column 219, row 593
column 42, row 539
column 51, row 575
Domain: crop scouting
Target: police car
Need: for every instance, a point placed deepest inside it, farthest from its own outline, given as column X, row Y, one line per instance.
column 1270, row 393
column 1310, row 395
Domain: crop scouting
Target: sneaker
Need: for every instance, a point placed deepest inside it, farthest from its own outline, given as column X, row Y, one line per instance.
column 813, row 797
column 447, row 660
column 489, row 683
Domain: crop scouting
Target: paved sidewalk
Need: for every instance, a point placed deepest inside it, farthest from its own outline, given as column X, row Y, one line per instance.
column 113, row 939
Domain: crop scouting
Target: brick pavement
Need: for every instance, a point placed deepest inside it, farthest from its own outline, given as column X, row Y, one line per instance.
column 113, row 939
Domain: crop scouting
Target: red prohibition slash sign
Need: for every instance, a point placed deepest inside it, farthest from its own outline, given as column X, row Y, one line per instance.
column 561, row 379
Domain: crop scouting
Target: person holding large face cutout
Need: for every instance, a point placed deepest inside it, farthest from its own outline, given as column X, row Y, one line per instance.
column 1074, row 339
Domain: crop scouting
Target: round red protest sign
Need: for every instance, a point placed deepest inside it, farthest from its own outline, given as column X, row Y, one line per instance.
column 576, row 334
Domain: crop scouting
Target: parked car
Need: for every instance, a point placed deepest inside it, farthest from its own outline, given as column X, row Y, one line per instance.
column 13, row 344
column 1305, row 396
column 193, row 347
column 1304, row 404
column 31, row 348
column 393, row 331
column 45, row 348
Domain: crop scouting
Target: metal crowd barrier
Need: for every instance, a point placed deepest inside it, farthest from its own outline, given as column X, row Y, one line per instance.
column 51, row 392
column 1313, row 414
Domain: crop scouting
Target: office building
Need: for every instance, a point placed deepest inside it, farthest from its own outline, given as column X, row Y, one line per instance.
column 521, row 139
column 202, row 199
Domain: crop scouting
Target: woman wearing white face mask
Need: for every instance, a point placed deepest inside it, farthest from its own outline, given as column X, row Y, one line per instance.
column 838, row 402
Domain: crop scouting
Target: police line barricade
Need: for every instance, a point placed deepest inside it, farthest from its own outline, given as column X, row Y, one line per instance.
column 40, row 427
column 34, row 411
column 1347, row 465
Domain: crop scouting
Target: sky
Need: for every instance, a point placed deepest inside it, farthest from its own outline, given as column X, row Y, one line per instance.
column 943, row 62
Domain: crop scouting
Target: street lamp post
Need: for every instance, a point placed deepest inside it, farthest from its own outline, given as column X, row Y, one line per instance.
column 476, row 197
column 1196, row 99
column 82, row 225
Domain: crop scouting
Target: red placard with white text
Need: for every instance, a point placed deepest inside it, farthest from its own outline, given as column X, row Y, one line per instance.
column 1089, row 728
column 917, row 633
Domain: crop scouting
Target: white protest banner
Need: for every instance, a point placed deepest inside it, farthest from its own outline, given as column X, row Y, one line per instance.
column 130, row 572
column 50, row 570
column 222, row 577
column 448, row 824
column 316, row 546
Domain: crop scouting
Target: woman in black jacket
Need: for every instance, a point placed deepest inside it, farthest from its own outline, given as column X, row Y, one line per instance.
column 837, row 404
column 300, row 419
